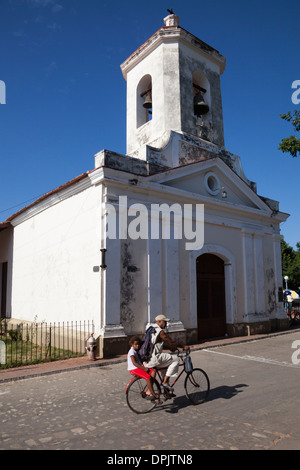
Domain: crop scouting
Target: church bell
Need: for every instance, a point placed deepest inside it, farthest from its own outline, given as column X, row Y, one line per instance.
column 200, row 107
column 148, row 100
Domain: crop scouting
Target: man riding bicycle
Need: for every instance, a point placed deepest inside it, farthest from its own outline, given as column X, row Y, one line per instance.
column 159, row 359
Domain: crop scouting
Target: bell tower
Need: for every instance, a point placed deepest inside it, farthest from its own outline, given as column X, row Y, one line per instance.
column 173, row 85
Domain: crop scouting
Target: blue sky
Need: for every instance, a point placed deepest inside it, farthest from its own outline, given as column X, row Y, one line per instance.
column 66, row 96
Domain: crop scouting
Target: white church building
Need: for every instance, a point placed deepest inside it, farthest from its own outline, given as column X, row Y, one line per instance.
column 173, row 227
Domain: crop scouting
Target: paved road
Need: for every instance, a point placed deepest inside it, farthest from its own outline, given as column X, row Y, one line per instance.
column 254, row 404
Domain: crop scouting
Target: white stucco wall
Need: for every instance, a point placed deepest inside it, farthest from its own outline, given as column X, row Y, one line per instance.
column 56, row 244
column 159, row 276
column 54, row 254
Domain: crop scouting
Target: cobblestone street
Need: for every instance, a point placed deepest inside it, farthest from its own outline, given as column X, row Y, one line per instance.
column 251, row 406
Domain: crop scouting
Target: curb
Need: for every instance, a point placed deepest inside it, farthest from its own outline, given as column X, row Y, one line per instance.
column 15, row 375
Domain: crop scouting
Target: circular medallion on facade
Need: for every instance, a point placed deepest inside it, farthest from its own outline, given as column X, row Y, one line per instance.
column 212, row 183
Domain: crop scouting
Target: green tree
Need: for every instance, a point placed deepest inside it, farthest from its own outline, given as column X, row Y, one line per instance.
column 291, row 264
column 291, row 144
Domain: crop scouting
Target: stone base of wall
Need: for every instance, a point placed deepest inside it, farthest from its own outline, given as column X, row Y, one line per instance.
column 112, row 347
column 256, row 328
column 115, row 346
column 192, row 336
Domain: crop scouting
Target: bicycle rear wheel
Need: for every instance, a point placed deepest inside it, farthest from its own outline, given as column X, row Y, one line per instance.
column 136, row 396
column 197, row 386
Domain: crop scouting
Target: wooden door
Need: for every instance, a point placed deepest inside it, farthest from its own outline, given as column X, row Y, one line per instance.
column 211, row 307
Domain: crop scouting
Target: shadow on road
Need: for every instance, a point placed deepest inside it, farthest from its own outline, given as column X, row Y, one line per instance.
column 225, row 391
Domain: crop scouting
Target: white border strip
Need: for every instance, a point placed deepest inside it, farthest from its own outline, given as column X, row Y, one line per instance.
column 256, row 359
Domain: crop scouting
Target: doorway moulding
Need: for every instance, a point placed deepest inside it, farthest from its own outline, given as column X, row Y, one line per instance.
column 230, row 280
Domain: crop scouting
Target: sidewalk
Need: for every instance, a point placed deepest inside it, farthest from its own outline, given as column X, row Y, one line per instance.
column 38, row 370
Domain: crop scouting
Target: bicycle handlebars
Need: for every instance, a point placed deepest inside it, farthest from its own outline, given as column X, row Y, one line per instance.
column 184, row 352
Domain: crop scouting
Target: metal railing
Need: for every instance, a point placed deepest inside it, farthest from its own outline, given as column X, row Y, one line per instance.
column 29, row 343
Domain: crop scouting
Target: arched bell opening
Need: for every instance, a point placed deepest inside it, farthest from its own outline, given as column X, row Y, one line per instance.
column 201, row 95
column 144, row 100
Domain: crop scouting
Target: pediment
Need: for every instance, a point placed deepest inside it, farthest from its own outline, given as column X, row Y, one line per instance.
column 213, row 180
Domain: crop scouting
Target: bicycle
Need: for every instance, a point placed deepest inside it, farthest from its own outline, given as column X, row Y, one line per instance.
column 196, row 387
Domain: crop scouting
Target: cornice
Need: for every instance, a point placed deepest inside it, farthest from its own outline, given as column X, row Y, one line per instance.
column 144, row 186
column 170, row 34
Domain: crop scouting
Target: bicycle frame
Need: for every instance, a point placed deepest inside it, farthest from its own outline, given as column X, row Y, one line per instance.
column 159, row 375
column 177, row 378
column 196, row 385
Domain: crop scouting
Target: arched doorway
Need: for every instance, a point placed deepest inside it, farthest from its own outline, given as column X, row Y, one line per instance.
column 211, row 305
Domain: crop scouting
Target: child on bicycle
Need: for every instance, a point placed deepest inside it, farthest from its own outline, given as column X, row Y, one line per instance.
column 135, row 366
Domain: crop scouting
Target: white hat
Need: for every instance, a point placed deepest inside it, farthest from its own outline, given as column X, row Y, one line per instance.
column 161, row 318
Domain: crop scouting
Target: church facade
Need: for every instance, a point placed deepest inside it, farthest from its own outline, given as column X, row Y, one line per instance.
column 173, row 226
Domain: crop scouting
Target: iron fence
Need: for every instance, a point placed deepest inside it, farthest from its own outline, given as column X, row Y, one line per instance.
column 28, row 343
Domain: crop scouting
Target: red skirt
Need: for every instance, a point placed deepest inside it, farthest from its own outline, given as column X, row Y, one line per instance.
column 141, row 373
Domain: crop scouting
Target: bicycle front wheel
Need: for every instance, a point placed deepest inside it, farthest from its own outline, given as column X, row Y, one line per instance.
column 136, row 396
column 197, row 386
